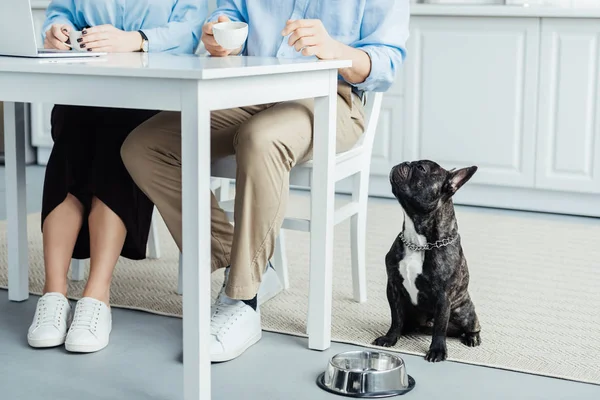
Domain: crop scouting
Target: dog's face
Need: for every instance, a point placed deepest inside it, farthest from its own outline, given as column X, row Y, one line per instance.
column 423, row 186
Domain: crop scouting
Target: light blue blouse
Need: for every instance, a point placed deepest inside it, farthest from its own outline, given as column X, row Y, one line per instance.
column 170, row 25
column 378, row 27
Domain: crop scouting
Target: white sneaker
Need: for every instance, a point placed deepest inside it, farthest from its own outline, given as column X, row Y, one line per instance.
column 234, row 327
column 269, row 287
column 91, row 326
column 50, row 321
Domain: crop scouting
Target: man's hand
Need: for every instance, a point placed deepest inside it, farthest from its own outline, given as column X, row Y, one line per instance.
column 57, row 37
column 211, row 45
column 311, row 38
column 107, row 38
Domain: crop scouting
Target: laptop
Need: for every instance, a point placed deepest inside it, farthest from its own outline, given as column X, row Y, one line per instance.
column 18, row 37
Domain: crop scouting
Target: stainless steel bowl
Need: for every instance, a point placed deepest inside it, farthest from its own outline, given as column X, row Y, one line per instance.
column 367, row 374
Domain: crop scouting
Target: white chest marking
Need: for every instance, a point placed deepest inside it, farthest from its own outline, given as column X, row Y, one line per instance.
column 411, row 266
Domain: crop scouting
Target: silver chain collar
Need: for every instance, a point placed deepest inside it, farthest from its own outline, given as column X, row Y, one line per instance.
column 428, row 246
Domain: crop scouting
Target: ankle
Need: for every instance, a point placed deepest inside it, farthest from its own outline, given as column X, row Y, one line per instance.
column 54, row 287
column 99, row 294
column 253, row 302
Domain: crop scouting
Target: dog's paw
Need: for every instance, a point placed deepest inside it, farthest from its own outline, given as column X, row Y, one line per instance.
column 472, row 339
column 436, row 354
column 385, row 341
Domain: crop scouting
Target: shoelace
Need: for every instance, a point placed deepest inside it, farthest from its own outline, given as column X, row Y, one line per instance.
column 223, row 317
column 86, row 316
column 50, row 313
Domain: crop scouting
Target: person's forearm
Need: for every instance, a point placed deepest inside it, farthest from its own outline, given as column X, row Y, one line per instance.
column 361, row 64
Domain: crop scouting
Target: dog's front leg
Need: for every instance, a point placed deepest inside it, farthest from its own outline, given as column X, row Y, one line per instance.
column 397, row 310
column 437, row 351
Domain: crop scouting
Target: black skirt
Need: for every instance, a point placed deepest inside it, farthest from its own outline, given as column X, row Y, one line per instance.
column 86, row 162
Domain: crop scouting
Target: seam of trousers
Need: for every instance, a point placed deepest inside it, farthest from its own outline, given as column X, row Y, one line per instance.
column 225, row 257
column 262, row 247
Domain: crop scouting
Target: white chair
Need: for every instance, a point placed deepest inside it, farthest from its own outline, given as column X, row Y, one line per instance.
column 354, row 163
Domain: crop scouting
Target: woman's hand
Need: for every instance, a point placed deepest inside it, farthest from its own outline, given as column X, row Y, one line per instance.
column 57, row 37
column 311, row 38
column 107, row 38
column 211, row 45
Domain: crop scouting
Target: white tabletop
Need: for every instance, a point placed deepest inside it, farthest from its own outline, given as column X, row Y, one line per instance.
column 161, row 65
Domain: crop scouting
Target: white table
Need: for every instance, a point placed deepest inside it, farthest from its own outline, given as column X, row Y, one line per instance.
column 195, row 86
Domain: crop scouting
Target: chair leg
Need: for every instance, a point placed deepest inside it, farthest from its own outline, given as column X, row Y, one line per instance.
column 77, row 270
column 280, row 262
column 358, row 228
column 180, row 275
column 222, row 193
column 153, row 240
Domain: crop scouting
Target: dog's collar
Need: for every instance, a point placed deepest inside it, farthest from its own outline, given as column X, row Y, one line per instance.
column 427, row 246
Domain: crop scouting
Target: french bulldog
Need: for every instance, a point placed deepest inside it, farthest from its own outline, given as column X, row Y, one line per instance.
column 428, row 278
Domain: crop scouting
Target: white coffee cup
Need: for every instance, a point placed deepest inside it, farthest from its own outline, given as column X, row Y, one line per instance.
column 75, row 45
column 230, row 35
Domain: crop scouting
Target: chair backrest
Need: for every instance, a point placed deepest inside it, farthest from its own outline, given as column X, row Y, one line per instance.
column 372, row 112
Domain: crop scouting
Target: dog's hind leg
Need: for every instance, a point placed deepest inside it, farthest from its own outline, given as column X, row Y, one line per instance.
column 466, row 319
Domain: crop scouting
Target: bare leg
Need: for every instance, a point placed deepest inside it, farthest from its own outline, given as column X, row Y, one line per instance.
column 60, row 231
column 107, row 236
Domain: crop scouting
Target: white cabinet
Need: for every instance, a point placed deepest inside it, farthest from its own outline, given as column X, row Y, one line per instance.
column 568, row 156
column 471, row 96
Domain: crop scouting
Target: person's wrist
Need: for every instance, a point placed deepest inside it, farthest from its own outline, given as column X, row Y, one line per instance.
column 135, row 41
column 337, row 50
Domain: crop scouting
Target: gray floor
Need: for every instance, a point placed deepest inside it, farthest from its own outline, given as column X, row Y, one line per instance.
column 143, row 361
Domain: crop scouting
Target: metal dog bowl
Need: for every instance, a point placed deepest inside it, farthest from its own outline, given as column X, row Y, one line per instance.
column 367, row 374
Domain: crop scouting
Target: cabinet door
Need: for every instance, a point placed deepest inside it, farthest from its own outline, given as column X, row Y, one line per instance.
column 568, row 156
column 471, row 95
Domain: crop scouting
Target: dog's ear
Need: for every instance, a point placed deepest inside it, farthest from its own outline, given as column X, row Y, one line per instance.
column 457, row 178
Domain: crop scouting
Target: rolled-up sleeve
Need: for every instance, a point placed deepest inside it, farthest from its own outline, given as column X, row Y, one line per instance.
column 182, row 33
column 384, row 33
column 59, row 12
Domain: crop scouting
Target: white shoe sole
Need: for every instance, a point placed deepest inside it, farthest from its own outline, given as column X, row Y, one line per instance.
column 43, row 343
column 85, row 348
column 228, row 356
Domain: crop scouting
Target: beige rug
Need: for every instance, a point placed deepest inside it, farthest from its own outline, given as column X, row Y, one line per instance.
column 535, row 283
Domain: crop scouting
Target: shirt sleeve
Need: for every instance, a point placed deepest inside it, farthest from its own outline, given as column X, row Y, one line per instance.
column 234, row 9
column 59, row 12
column 182, row 33
column 384, row 33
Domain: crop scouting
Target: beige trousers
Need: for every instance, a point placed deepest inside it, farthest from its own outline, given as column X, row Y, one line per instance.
column 267, row 140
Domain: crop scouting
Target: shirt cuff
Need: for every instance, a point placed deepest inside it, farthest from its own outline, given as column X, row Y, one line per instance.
column 157, row 44
column 378, row 79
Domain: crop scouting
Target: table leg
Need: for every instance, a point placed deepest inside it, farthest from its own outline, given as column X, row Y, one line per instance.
column 322, row 219
column 195, row 132
column 16, row 206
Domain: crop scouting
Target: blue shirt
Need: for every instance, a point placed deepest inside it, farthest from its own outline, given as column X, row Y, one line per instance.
column 378, row 27
column 170, row 25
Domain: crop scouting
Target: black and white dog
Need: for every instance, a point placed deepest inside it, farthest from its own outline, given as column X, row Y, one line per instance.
column 428, row 278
